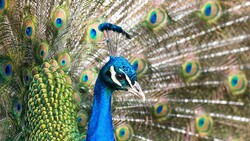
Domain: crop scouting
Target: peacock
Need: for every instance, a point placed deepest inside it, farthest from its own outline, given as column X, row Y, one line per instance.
column 124, row 70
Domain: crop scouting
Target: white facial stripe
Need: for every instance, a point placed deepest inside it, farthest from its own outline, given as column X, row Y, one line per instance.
column 134, row 89
column 112, row 70
column 127, row 78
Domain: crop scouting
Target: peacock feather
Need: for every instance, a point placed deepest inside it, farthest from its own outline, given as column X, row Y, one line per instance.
column 70, row 70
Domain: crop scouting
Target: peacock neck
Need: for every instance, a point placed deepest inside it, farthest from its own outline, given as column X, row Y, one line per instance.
column 100, row 126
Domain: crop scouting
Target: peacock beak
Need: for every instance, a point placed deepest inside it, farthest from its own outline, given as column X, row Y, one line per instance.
column 136, row 90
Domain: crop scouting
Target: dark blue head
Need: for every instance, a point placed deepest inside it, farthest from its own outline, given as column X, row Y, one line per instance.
column 119, row 74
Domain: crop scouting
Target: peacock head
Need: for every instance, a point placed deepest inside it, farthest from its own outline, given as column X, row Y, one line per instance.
column 119, row 74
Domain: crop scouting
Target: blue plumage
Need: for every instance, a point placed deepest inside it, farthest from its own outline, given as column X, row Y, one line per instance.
column 100, row 125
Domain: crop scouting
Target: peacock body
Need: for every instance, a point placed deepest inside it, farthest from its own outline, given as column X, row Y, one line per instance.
column 59, row 79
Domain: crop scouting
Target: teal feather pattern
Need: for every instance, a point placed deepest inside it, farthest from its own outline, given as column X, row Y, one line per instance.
column 191, row 60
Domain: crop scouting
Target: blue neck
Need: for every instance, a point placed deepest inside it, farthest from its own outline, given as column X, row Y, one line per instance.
column 100, row 126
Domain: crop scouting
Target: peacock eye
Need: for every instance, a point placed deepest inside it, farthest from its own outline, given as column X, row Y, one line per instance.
column 161, row 111
column 28, row 27
column 191, row 69
column 156, row 18
column 211, row 11
column 237, row 82
column 3, row 5
column 59, row 17
column 92, row 33
column 204, row 125
column 82, row 118
column 77, row 98
column 7, row 69
column 120, row 77
column 140, row 66
column 64, row 60
column 17, row 108
column 124, row 133
column 88, row 77
column 26, row 76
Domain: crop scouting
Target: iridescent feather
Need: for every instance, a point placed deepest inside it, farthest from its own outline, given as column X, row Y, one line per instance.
column 191, row 59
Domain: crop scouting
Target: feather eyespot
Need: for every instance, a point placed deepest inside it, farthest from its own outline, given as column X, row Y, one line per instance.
column 7, row 69
column 59, row 17
column 59, row 22
column 156, row 18
column 88, row 77
column 124, row 133
column 191, row 69
column 136, row 65
column 3, row 5
column 28, row 27
column 64, row 60
column 93, row 34
column 77, row 98
column 17, row 108
column 82, row 118
column 211, row 11
column 140, row 66
column 85, row 78
column 161, row 111
column 42, row 51
column 237, row 82
column 153, row 17
column 26, row 76
column 204, row 125
column 28, row 31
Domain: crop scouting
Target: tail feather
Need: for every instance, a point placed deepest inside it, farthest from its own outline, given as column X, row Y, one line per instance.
column 191, row 58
